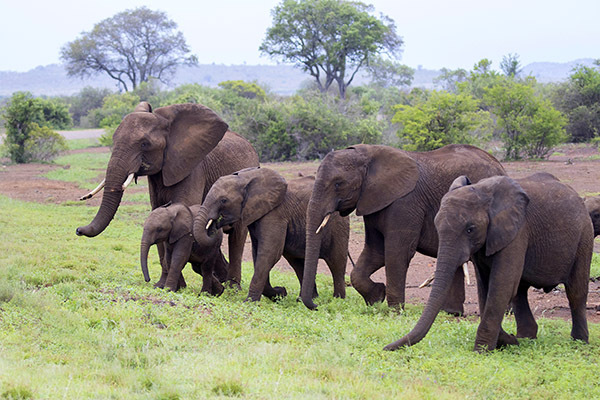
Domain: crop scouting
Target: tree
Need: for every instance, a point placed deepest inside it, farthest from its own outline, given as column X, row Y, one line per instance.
column 511, row 66
column 388, row 73
column 330, row 39
column 579, row 99
column 448, row 80
column 530, row 125
column 29, row 136
column 131, row 47
column 86, row 100
column 442, row 119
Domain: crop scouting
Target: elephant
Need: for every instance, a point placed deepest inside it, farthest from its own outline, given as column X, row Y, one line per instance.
column 519, row 233
column 183, row 149
column 398, row 194
column 172, row 224
column 275, row 213
column 592, row 204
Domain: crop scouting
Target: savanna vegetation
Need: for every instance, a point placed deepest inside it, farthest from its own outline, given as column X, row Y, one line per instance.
column 77, row 320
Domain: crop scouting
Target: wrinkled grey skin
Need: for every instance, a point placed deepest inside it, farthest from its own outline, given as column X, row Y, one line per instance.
column 275, row 213
column 183, row 149
column 398, row 194
column 172, row 225
column 519, row 233
column 592, row 204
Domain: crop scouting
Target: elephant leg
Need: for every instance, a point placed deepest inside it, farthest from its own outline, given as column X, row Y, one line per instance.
column 398, row 254
column 164, row 263
column 180, row 254
column 221, row 267
column 370, row 260
column 337, row 265
column 236, row 241
column 297, row 265
column 577, row 292
column 266, row 252
column 210, row 282
column 526, row 325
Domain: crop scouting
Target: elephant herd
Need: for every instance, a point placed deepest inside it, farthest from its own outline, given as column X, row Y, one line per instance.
column 455, row 203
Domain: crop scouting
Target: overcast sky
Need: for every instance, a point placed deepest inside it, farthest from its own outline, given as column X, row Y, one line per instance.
column 437, row 33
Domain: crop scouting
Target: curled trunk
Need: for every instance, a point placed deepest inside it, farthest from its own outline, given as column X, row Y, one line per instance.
column 205, row 229
column 444, row 274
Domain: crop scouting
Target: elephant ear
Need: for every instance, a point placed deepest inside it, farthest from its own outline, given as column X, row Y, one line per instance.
column 264, row 190
column 459, row 182
column 506, row 213
column 194, row 131
column 182, row 220
column 144, row 106
column 391, row 174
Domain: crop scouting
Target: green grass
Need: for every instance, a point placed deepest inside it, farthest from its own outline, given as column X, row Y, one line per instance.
column 78, row 144
column 78, row 321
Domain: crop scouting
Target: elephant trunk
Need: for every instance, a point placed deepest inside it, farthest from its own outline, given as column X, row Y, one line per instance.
column 444, row 275
column 205, row 228
column 116, row 175
column 315, row 217
column 144, row 249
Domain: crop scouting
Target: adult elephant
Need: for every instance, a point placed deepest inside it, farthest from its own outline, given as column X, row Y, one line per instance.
column 519, row 233
column 398, row 194
column 183, row 149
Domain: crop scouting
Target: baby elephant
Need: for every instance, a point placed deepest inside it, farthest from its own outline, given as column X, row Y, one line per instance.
column 171, row 225
column 592, row 204
column 519, row 233
column 275, row 213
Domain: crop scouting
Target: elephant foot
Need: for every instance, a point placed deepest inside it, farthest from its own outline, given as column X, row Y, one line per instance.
column 454, row 310
column 529, row 332
column 234, row 284
column 159, row 285
column 506, row 339
column 278, row 293
column 376, row 295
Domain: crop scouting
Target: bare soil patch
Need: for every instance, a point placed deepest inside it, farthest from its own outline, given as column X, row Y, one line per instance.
column 576, row 165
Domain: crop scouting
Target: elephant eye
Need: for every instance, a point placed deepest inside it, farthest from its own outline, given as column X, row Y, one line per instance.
column 145, row 145
column 470, row 230
column 223, row 200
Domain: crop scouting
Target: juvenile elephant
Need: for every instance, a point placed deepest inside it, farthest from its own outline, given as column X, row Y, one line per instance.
column 183, row 149
column 519, row 233
column 398, row 194
column 592, row 204
column 171, row 224
column 275, row 214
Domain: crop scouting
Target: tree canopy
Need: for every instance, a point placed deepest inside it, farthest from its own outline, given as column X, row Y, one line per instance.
column 130, row 47
column 330, row 39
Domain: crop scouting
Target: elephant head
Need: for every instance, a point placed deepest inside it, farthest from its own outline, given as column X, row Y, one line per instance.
column 483, row 217
column 592, row 204
column 245, row 196
column 365, row 178
column 170, row 140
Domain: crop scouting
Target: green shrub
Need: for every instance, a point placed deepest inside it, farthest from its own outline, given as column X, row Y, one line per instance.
column 43, row 144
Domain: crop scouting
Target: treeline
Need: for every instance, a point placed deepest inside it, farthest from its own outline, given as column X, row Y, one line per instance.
column 474, row 107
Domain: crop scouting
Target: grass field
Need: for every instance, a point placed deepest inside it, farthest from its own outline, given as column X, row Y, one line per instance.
column 77, row 321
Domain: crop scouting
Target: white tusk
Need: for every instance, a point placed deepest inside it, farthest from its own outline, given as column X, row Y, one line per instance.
column 93, row 192
column 325, row 220
column 466, row 271
column 427, row 281
column 128, row 181
column 210, row 221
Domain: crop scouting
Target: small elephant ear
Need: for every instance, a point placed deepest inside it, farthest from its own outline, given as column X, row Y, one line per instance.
column 506, row 213
column 264, row 190
column 194, row 131
column 144, row 106
column 182, row 222
column 391, row 174
column 459, row 182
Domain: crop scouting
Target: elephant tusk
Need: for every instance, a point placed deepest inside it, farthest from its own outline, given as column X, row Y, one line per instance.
column 93, row 192
column 466, row 272
column 325, row 220
column 128, row 181
column 210, row 221
column 427, row 281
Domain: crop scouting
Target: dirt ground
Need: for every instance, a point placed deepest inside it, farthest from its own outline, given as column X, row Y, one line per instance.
column 576, row 165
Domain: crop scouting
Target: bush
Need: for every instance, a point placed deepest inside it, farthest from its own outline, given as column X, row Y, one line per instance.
column 28, row 121
column 114, row 108
column 443, row 118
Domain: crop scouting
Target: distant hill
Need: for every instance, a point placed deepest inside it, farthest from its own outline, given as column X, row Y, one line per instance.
column 52, row 80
